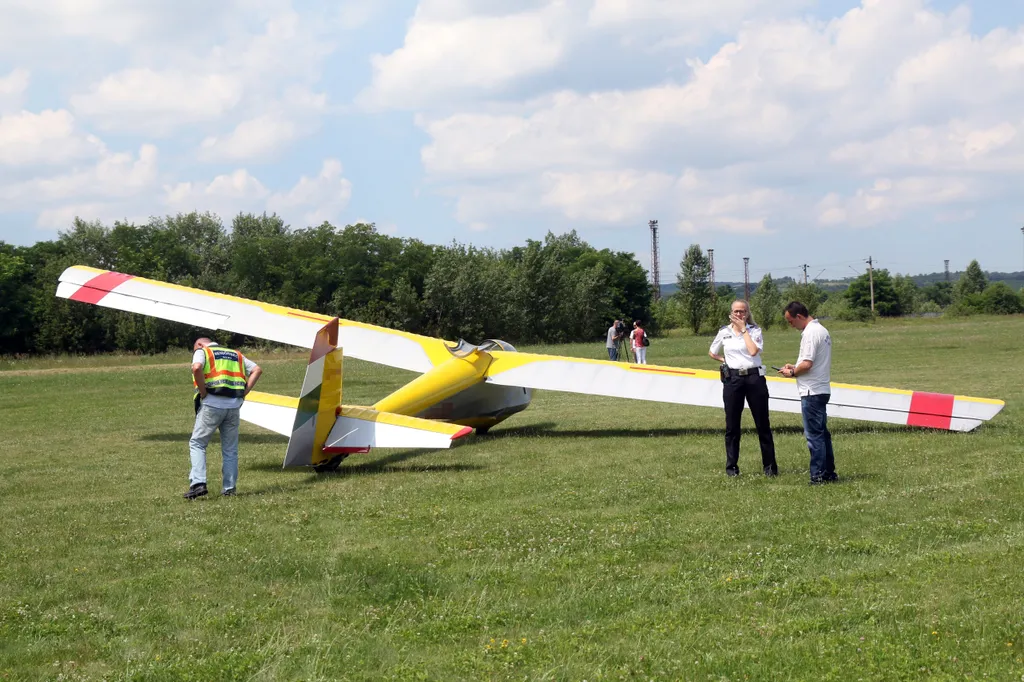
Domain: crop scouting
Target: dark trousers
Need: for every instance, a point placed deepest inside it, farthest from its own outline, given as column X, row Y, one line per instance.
column 819, row 440
column 754, row 390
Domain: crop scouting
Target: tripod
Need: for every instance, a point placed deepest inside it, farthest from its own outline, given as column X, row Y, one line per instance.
column 623, row 347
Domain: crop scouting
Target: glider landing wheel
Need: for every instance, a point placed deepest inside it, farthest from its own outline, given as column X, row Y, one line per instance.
column 483, row 430
column 330, row 465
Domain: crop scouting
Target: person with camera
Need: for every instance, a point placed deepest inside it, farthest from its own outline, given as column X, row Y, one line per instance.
column 741, row 343
column 612, row 342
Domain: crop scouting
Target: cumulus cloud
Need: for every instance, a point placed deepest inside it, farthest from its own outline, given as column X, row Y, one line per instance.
column 785, row 118
column 46, row 138
column 310, row 201
column 12, row 89
column 266, row 135
column 450, row 50
column 316, row 199
column 888, row 199
column 157, row 101
column 248, row 73
column 113, row 175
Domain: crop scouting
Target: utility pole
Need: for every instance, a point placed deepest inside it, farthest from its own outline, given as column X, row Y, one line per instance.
column 711, row 259
column 947, row 262
column 655, row 269
column 1022, row 231
column 871, row 283
column 805, row 273
column 746, row 279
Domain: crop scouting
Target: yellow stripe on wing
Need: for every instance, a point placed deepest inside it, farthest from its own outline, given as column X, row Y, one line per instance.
column 368, row 415
column 505, row 361
column 273, row 399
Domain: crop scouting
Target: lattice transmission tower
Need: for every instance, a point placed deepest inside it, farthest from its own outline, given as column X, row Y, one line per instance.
column 655, row 267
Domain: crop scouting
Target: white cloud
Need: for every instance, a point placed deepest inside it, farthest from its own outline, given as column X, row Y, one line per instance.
column 445, row 56
column 671, row 23
column 49, row 137
column 888, row 199
column 268, row 134
column 113, row 176
column 954, row 146
column 157, row 101
column 316, row 199
column 12, row 89
column 790, row 111
column 310, row 201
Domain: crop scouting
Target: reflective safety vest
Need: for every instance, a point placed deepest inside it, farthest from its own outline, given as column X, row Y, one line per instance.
column 223, row 372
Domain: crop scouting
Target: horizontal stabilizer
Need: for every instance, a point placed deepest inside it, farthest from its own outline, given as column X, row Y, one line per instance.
column 355, row 428
column 701, row 387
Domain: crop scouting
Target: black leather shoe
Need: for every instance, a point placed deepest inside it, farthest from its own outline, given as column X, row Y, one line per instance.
column 197, row 490
column 771, row 471
column 230, row 492
column 730, row 472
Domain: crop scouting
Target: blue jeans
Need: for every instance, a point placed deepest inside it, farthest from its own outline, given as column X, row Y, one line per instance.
column 207, row 421
column 613, row 354
column 819, row 440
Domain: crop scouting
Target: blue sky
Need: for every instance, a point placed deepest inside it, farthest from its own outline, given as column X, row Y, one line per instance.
column 798, row 131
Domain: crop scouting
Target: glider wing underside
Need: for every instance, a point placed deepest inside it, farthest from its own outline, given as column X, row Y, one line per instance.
column 214, row 311
column 702, row 387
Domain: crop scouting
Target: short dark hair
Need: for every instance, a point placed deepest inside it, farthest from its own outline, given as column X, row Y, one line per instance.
column 796, row 309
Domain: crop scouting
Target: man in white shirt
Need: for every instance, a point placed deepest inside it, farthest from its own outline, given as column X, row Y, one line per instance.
column 813, row 372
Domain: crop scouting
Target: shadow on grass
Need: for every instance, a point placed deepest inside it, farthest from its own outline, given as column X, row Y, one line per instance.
column 548, row 430
column 377, row 466
column 252, row 438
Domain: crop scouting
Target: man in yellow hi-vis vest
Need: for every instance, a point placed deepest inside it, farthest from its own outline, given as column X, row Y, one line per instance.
column 222, row 377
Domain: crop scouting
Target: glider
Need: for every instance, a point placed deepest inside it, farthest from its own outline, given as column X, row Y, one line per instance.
column 461, row 386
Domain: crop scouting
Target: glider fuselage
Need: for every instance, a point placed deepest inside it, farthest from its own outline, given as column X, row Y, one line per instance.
column 456, row 390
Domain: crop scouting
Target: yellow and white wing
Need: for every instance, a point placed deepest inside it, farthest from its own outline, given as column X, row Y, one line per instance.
column 356, row 428
column 214, row 311
column 701, row 387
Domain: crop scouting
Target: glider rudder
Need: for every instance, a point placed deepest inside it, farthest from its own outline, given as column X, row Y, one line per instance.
column 319, row 401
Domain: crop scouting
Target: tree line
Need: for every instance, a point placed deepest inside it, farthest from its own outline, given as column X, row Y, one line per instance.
column 554, row 291
column 698, row 305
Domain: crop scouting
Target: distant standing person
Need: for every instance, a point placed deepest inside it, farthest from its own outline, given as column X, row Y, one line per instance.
column 813, row 372
column 637, row 338
column 613, row 341
column 222, row 377
column 743, row 379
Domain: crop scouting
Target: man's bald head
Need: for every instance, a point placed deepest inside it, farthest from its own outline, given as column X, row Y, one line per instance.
column 203, row 342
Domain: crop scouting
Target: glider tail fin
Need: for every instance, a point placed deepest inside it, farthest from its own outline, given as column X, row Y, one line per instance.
column 319, row 402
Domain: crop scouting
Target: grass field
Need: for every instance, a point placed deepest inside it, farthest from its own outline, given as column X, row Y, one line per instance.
column 584, row 539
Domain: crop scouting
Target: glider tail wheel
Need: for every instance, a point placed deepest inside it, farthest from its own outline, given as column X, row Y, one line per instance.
column 330, row 465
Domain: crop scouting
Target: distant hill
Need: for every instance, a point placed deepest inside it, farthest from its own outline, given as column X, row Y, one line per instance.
column 1014, row 279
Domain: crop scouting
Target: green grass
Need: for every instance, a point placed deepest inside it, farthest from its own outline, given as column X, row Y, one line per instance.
column 586, row 538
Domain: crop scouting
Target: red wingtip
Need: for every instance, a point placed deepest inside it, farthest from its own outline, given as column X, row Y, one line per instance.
column 464, row 432
column 99, row 286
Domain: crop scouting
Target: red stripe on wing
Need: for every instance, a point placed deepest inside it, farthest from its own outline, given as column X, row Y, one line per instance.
column 931, row 410
column 99, row 286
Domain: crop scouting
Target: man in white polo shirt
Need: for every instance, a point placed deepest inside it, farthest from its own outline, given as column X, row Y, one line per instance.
column 813, row 372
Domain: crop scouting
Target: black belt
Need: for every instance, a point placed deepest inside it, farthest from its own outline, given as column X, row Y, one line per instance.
column 744, row 372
